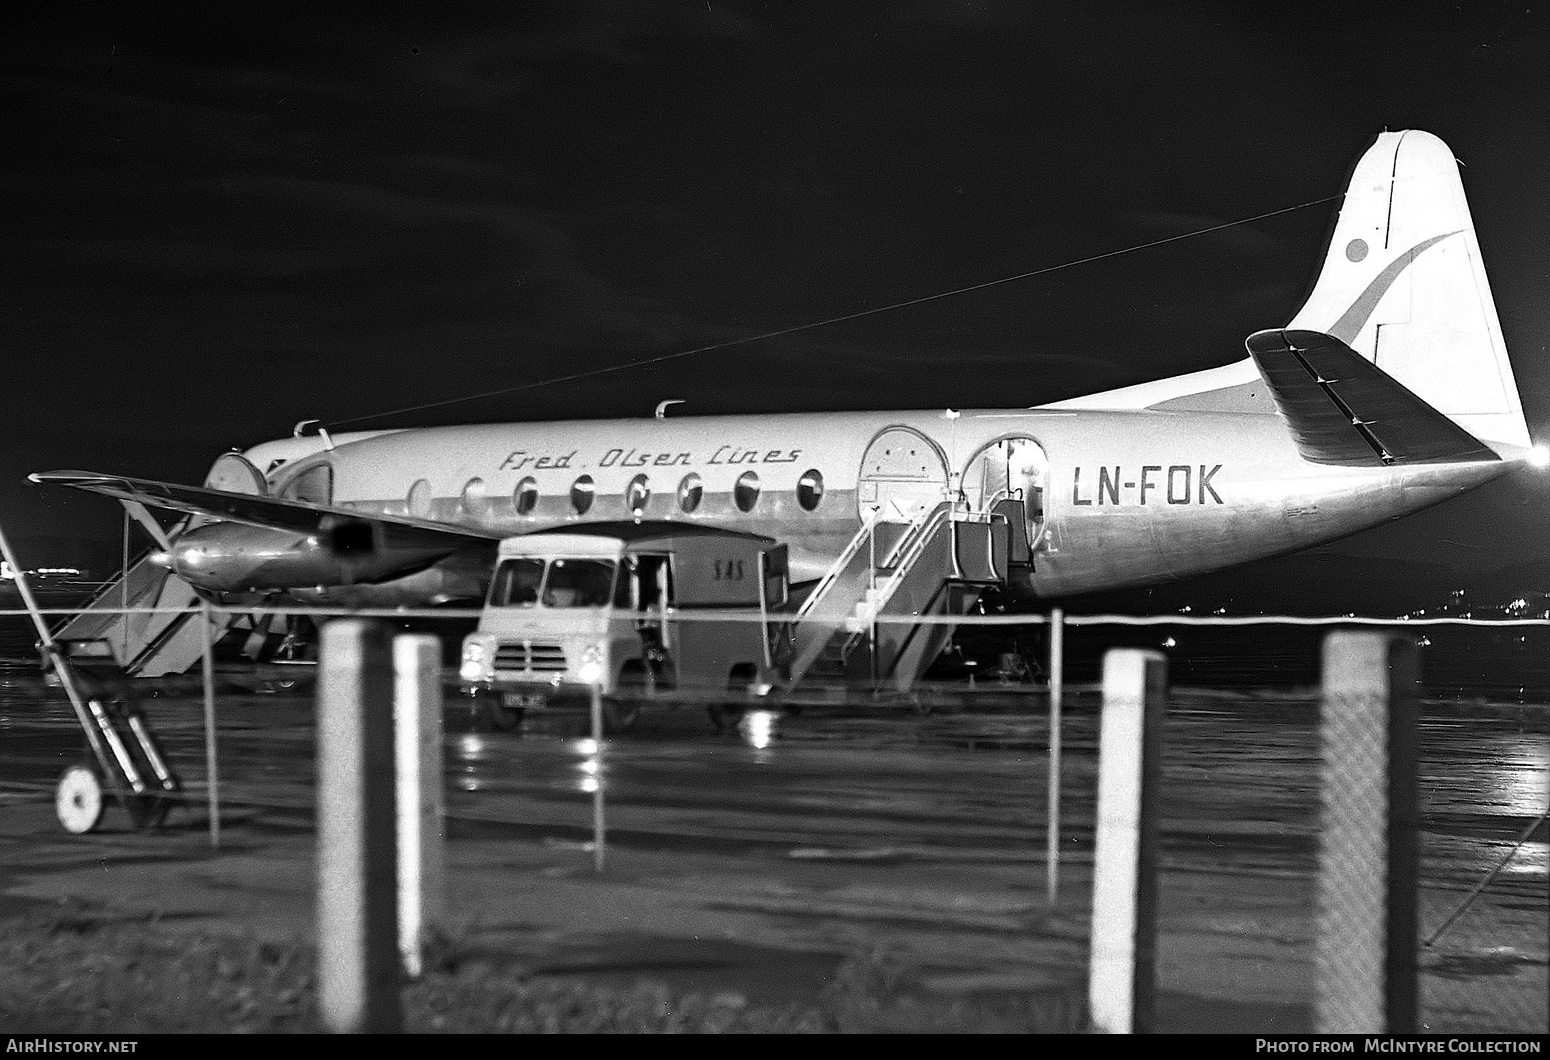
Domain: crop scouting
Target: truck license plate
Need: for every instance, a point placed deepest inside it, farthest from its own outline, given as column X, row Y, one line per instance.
column 523, row 700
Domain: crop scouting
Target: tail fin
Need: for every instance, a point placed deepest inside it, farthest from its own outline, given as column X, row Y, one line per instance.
column 1403, row 285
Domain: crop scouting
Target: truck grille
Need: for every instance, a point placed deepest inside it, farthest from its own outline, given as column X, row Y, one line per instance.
column 530, row 657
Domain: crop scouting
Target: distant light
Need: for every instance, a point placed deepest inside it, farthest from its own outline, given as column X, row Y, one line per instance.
column 470, row 746
column 587, row 746
column 1169, row 642
column 1539, row 456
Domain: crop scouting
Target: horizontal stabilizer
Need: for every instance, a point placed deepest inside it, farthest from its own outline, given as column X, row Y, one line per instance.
column 1345, row 410
column 271, row 512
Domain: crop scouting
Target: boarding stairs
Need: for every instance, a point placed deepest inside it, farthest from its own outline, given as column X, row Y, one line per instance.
column 147, row 621
column 854, row 628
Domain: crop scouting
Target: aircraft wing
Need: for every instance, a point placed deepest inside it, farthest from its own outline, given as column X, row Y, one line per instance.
column 271, row 512
column 1345, row 410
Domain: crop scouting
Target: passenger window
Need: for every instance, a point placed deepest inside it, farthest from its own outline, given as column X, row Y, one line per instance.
column 746, row 492
column 636, row 494
column 809, row 490
column 690, row 492
column 420, row 499
column 525, row 496
column 581, row 494
column 473, row 494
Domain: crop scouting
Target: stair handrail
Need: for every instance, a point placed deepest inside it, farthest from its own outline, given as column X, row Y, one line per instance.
column 104, row 588
column 1005, row 493
column 906, row 555
column 868, row 525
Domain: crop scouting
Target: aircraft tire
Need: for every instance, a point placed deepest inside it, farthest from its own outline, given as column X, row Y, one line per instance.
column 78, row 799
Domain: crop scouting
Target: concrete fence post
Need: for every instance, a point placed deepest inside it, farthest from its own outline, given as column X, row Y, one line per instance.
column 1057, row 663
column 1365, row 950
column 599, row 833
column 1122, row 972
column 358, row 961
column 417, row 720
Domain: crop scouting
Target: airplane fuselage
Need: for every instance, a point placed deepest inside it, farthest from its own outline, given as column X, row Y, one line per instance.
column 1110, row 498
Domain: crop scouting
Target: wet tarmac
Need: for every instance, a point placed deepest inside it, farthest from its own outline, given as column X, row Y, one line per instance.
column 759, row 859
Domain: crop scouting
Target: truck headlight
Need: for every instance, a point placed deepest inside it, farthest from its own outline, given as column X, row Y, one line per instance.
column 476, row 659
column 591, row 668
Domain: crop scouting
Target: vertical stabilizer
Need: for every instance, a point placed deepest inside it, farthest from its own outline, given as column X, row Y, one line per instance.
column 1404, row 286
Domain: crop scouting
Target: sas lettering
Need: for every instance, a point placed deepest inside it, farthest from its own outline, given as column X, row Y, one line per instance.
column 727, row 570
column 1174, row 484
column 522, row 458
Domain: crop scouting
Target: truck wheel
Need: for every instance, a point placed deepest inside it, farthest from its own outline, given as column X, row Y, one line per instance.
column 735, row 703
column 505, row 718
column 622, row 710
column 78, row 799
column 620, row 715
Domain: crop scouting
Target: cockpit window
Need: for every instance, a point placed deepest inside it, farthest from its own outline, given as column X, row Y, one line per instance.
column 315, row 485
column 579, row 583
column 516, row 583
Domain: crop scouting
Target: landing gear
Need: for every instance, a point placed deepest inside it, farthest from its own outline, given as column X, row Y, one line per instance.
column 78, row 799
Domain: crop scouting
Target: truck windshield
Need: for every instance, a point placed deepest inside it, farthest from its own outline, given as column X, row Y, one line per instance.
column 569, row 583
column 579, row 583
column 516, row 583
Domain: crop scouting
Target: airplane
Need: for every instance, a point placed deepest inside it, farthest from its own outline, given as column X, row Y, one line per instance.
column 1390, row 390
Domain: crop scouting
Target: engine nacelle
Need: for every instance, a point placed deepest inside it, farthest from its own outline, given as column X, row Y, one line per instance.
column 235, row 557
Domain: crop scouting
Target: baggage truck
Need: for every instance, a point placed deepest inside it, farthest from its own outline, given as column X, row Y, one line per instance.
column 635, row 610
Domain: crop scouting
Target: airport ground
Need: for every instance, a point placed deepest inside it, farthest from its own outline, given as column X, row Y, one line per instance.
column 851, row 836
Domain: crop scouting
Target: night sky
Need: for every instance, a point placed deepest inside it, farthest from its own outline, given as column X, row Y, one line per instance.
column 224, row 219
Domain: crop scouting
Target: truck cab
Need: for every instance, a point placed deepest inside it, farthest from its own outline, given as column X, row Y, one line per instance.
column 632, row 610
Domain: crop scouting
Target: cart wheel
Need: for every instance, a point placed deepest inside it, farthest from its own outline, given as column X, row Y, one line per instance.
column 148, row 812
column 78, row 800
